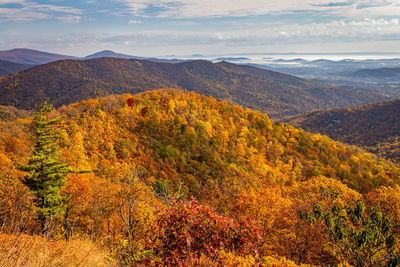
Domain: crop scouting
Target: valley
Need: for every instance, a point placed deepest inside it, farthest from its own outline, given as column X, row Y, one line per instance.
column 279, row 95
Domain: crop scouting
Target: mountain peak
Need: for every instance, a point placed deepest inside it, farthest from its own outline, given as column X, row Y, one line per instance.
column 108, row 53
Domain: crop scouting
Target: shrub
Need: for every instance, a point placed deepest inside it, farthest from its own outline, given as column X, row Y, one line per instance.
column 189, row 230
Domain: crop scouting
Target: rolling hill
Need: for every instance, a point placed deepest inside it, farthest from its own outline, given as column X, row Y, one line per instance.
column 30, row 56
column 375, row 127
column 378, row 75
column 277, row 94
column 7, row 67
column 156, row 147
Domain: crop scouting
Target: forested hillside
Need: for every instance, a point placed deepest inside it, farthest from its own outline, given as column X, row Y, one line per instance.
column 151, row 153
column 375, row 127
column 8, row 113
column 279, row 95
column 10, row 67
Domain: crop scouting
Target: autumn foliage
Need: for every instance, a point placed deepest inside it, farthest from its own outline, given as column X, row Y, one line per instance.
column 150, row 156
column 374, row 127
column 189, row 230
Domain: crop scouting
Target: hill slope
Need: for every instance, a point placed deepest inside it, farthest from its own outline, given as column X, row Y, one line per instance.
column 69, row 81
column 29, row 56
column 9, row 113
column 376, row 127
column 7, row 67
column 174, row 145
column 166, row 125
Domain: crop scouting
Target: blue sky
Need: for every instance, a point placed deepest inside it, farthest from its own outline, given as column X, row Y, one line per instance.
column 209, row 27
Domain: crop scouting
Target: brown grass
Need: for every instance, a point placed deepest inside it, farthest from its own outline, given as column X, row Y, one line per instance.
column 34, row 251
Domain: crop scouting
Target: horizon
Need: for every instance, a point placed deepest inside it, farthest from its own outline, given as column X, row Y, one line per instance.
column 252, row 57
column 157, row 28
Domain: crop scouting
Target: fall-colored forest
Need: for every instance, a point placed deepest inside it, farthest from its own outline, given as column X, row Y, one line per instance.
column 172, row 177
column 374, row 127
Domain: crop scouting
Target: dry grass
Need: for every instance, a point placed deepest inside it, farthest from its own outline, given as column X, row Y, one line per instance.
column 34, row 251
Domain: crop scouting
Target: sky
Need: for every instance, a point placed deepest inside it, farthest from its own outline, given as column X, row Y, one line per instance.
column 207, row 27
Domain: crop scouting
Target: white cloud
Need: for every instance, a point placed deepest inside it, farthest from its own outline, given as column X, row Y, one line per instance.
column 344, row 22
column 50, row 8
column 29, row 11
column 69, row 18
column 19, row 15
column 338, row 36
column 226, row 8
column 375, row 22
column 268, row 33
column 363, row 30
column 375, row 10
column 3, row 2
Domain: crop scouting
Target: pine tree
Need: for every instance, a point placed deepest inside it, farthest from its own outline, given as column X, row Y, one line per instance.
column 46, row 172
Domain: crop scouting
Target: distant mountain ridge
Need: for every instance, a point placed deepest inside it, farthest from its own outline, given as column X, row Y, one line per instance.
column 323, row 68
column 277, row 94
column 7, row 67
column 35, row 57
column 381, row 76
column 375, row 127
column 381, row 73
column 108, row 53
column 30, row 56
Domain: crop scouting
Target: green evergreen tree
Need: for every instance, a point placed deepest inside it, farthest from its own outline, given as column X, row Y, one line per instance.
column 46, row 172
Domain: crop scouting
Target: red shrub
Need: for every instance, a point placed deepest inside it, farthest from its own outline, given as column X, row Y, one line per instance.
column 189, row 229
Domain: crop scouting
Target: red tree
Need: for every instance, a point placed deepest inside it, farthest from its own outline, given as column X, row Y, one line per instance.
column 129, row 102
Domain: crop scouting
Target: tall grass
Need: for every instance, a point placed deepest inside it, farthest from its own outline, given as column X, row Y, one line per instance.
column 35, row 251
